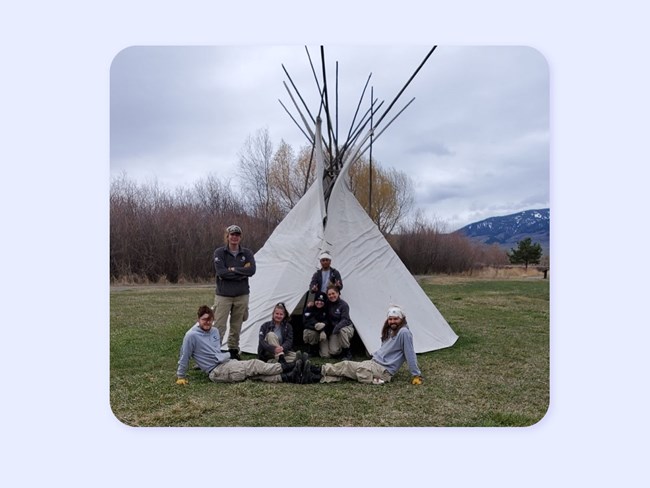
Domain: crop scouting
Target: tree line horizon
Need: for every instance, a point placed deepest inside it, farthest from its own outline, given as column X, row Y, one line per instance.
column 158, row 234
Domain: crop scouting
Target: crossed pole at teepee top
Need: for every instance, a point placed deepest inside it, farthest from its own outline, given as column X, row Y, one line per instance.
column 339, row 155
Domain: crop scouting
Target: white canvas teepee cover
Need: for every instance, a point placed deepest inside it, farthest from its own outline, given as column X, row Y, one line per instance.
column 285, row 263
column 373, row 276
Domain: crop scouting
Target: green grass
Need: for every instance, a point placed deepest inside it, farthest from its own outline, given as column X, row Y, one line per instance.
column 497, row 373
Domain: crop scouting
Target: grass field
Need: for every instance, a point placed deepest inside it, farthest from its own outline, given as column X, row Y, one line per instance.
column 497, row 373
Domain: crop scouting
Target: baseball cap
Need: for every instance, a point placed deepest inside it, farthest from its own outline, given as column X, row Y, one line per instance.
column 395, row 312
column 233, row 229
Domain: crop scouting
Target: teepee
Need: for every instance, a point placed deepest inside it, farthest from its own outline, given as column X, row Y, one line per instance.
column 329, row 218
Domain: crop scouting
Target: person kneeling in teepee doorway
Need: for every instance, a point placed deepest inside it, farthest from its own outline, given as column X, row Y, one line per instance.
column 317, row 329
column 338, row 315
column 396, row 348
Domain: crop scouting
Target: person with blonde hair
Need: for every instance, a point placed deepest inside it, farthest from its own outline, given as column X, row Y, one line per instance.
column 276, row 337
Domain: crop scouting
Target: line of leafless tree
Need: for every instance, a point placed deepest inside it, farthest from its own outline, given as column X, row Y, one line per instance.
column 158, row 234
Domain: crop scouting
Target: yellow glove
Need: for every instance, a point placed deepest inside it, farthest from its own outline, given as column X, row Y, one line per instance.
column 182, row 381
column 416, row 380
column 319, row 326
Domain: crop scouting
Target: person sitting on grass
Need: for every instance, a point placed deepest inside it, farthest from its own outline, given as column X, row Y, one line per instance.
column 276, row 337
column 396, row 348
column 203, row 343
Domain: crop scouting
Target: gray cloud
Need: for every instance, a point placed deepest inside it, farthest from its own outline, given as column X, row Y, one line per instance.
column 475, row 140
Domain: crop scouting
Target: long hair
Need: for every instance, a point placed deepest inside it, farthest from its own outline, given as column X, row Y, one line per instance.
column 387, row 332
column 281, row 306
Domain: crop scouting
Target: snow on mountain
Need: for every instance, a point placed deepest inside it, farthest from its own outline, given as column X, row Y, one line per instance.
column 508, row 230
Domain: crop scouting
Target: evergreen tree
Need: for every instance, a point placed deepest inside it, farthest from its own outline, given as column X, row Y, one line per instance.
column 526, row 252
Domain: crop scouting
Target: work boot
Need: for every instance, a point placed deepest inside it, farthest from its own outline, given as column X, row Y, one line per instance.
column 295, row 376
column 286, row 367
column 306, row 378
column 234, row 354
column 311, row 374
column 306, row 373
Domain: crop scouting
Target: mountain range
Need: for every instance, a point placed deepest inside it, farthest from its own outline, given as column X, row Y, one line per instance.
column 508, row 230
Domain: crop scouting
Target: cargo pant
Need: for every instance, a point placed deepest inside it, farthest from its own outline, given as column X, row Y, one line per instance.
column 234, row 371
column 237, row 309
column 313, row 338
column 274, row 340
column 341, row 340
column 363, row 372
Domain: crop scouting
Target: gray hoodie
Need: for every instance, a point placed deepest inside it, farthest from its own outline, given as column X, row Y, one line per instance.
column 204, row 347
column 395, row 350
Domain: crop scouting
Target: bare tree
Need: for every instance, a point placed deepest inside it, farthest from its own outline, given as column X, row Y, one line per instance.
column 284, row 186
column 392, row 193
column 255, row 159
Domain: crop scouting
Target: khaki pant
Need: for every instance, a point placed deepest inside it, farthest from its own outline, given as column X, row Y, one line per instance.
column 237, row 309
column 363, row 371
column 234, row 371
column 274, row 340
column 312, row 337
column 341, row 340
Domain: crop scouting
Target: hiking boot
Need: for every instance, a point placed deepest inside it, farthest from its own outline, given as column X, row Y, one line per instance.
column 234, row 354
column 311, row 374
column 306, row 373
column 286, row 367
column 306, row 378
column 295, row 376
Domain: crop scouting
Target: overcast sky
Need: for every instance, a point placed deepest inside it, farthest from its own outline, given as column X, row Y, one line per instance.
column 475, row 141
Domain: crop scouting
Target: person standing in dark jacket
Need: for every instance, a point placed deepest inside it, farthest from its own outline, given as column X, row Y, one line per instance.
column 316, row 327
column 276, row 337
column 338, row 315
column 233, row 265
